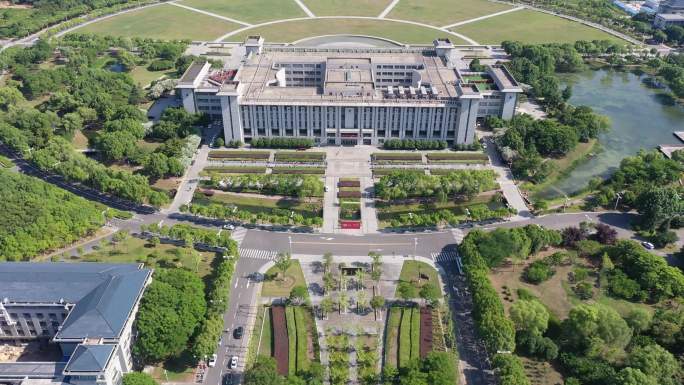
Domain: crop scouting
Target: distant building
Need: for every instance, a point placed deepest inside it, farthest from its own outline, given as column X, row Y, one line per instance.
column 84, row 311
column 349, row 96
column 670, row 12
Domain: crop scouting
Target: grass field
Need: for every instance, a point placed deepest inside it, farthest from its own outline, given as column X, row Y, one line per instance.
column 412, row 270
column 444, row 12
column 162, row 22
column 281, row 287
column 296, row 30
column 391, row 336
column 346, row 7
column 137, row 250
column 530, row 27
column 249, row 11
column 141, row 75
column 258, row 204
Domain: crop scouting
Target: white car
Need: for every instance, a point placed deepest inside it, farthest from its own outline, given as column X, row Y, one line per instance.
column 648, row 245
column 327, row 188
column 212, row 361
column 233, row 362
column 228, row 227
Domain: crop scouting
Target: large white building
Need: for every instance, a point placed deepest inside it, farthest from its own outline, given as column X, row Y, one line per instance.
column 81, row 313
column 349, row 96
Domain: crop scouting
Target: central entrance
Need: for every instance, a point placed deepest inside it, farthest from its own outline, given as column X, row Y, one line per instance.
column 349, row 139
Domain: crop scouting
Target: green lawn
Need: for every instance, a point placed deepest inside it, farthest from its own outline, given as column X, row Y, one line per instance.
column 444, row 12
column 346, row 7
column 137, row 250
column 265, row 205
column 530, row 27
column 249, row 11
column 162, row 22
column 391, row 336
column 141, row 75
column 411, row 270
column 296, row 30
column 5, row 162
column 281, row 287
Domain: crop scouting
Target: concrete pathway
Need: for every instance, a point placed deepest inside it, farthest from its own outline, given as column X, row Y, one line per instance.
column 484, row 17
column 190, row 181
column 387, row 10
column 507, row 182
column 368, row 214
column 305, row 8
column 210, row 14
column 330, row 208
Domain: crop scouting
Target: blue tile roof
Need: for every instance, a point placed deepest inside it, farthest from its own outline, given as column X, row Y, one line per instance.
column 89, row 358
column 103, row 295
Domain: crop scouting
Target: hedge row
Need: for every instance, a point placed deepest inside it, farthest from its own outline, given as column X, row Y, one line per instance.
column 224, row 154
column 391, row 336
column 380, row 156
column 298, row 170
column 303, row 361
column 292, row 340
column 280, row 142
column 411, row 144
column 442, row 156
column 405, row 338
column 236, row 170
column 294, row 156
column 415, row 333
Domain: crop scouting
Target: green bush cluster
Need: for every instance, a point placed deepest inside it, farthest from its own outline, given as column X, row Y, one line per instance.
column 479, row 212
column 276, row 216
column 414, row 144
column 338, row 346
column 270, row 184
column 292, row 340
column 303, row 361
column 409, row 184
column 282, row 142
column 538, row 272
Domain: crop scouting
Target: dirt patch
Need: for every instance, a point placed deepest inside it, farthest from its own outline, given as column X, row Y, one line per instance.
column 425, row 331
column 9, row 5
column 507, row 280
column 280, row 339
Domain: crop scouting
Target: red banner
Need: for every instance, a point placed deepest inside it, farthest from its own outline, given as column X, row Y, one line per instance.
column 350, row 224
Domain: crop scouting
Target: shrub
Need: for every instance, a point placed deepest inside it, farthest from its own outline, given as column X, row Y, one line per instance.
column 583, row 290
column 410, row 144
column 161, row 65
column 621, row 286
column 538, row 272
column 661, row 239
column 282, row 142
column 292, row 339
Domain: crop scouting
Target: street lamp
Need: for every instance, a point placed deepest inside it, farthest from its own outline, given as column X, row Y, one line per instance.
column 415, row 247
column 289, row 238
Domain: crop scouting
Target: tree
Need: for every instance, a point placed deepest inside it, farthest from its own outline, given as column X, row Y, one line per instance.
column 282, row 263
column 632, row 376
column 440, row 368
column 10, row 96
column 605, row 234
column 430, row 293
column 361, row 302
column 657, row 206
column 156, row 165
column 530, row 316
column 263, row 372
column 475, row 65
column 326, row 306
column 639, row 320
column 653, row 360
column 572, row 235
column 298, row 295
column 597, row 330
column 343, row 302
column 327, row 261
column 406, row 290
column 377, row 302
column 138, row 378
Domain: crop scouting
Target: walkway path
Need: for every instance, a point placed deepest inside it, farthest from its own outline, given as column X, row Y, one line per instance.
column 305, row 8
column 507, row 182
column 330, row 209
column 484, row 17
column 190, row 181
column 387, row 10
column 368, row 214
column 210, row 14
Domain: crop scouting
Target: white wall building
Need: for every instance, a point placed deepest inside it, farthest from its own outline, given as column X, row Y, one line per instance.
column 349, row 96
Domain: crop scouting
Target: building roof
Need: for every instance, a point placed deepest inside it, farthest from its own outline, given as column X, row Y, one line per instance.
column 89, row 358
column 671, row 16
column 20, row 370
column 102, row 295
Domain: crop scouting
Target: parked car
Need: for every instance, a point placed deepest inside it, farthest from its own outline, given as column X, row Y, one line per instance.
column 237, row 333
column 233, row 362
column 327, row 188
column 227, row 379
column 648, row 245
column 228, row 227
column 212, row 361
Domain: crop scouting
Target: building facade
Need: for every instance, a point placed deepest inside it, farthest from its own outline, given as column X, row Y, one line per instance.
column 349, row 96
column 86, row 309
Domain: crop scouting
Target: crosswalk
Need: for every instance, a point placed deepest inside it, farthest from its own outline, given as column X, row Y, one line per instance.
column 258, row 254
column 239, row 234
column 458, row 235
column 444, row 256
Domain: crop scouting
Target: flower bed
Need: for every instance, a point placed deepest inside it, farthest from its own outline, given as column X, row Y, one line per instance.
column 348, row 194
column 239, row 155
column 349, row 183
column 280, row 340
column 235, row 170
column 298, row 170
column 300, row 157
column 425, row 331
column 398, row 157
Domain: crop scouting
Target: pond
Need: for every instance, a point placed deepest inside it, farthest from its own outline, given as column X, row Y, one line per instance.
column 641, row 117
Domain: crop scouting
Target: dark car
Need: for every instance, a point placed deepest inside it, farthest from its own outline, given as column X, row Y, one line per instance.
column 227, row 379
column 237, row 333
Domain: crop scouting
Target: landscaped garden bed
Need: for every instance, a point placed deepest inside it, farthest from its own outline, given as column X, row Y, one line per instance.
column 233, row 170
column 299, row 157
column 460, row 157
column 348, row 194
column 396, row 157
column 239, row 155
column 298, row 170
column 281, row 342
column 426, row 329
column 386, row 171
column 291, row 185
column 338, row 347
column 350, row 210
column 349, row 183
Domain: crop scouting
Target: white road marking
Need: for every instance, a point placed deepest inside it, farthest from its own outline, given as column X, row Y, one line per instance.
column 210, row 14
column 248, row 284
column 483, row 17
column 388, row 9
column 236, row 282
column 305, row 8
